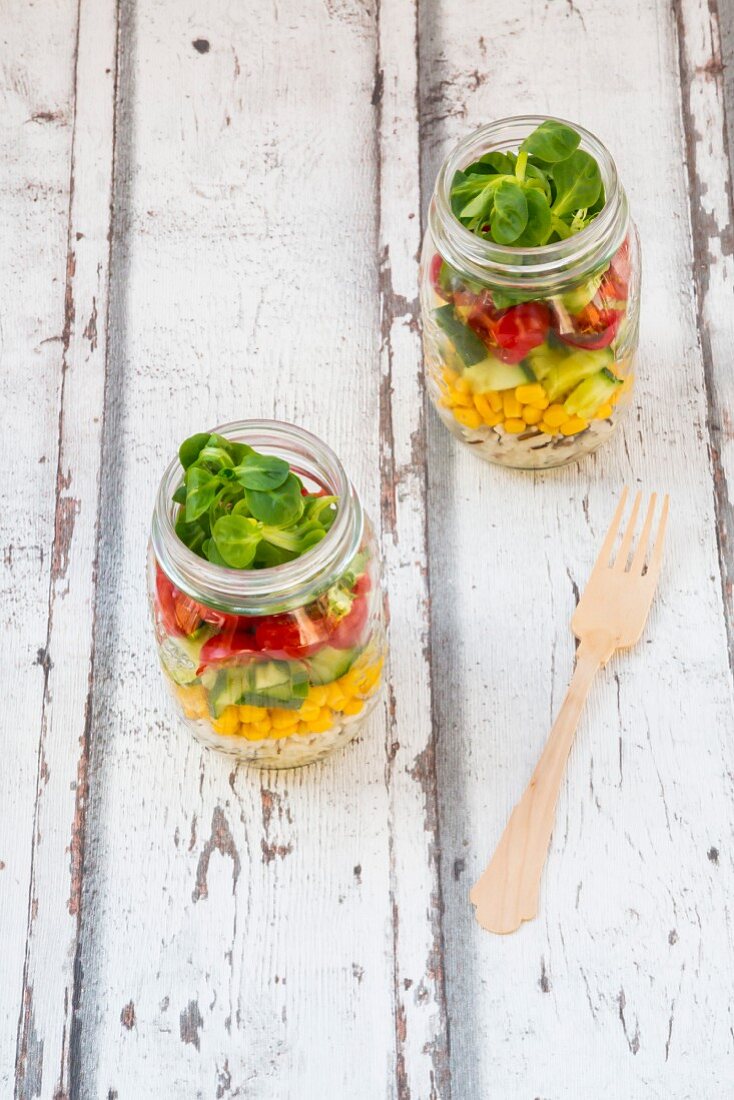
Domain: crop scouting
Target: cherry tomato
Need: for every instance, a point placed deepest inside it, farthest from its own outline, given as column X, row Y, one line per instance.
column 434, row 274
column 620, row 270
column 511, row 333
column 291, row 635
column 349, row 629
column 594, row 328
column 233, row 643
column 166, row 600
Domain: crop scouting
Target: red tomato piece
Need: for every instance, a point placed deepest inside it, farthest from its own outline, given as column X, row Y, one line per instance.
column 620, row 270
column 434, row 274
column 291, row 635
column 593, row 328
column 166, row 602
column 511, row 333
column 234, row 643
column 349, row 629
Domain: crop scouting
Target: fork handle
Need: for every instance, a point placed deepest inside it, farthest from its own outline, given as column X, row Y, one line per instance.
column 506, row 894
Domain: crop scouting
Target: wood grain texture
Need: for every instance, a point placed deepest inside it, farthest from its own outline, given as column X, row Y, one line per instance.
column 703, row 102
column 215, row 211
column 36, row 112
column 50, row 975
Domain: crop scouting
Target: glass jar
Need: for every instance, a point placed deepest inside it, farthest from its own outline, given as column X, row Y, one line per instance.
column 576, row 301
column 277, row 666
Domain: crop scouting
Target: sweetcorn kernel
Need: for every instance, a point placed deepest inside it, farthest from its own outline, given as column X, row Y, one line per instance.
column 450, row 376
column 317, row 694
column 573, row 426
column 228, row 721
column 555, row 415
column 323, row 723
column 461, row 385
column 264, row 728
column 349, row 683
column 308, row 711
column 470, row 418
column 540, row 402
column 531, row 415
column 514, row 425
column 459, row 400
column 482, row 406
column 495, row 401
column 603, row 412
column 336, row 697
column 370, row 678
column 250, row 732
column 280, row 718
column 193, row 700
column 354, row 706
column 527, row 395
column 252, row 714
column 510, row 404
column 490, row 417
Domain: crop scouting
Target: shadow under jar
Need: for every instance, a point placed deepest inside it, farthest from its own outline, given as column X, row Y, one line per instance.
column 529, row 350
column 278, row 666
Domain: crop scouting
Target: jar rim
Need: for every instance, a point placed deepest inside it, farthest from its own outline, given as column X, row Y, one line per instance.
column 509, row 264
column 274, row 588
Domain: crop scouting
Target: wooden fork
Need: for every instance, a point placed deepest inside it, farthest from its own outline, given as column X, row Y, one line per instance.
column 611, row 615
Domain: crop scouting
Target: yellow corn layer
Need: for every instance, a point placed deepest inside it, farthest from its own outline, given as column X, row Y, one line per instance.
column 317, row 714
column 517, row 410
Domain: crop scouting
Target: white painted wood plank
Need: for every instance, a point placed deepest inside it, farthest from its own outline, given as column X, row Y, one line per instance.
column 625, row 977
column 421, row 1026
column 46, row 1024
column 260, row 908
column 708, row 160
column 36, row 107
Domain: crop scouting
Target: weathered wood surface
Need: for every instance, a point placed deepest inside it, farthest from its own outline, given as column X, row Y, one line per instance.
column 213, row 210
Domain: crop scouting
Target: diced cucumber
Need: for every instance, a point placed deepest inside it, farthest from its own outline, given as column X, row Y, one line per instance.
column 286, row 696
column 542, row 359
column 567, row 374
column 329, row 664
column 492, row 374
column 468, row 345
column 268, row 676
column 276, row 684
column 260, row 684
column 226, row 690
column 181, row 656
column 591, row 393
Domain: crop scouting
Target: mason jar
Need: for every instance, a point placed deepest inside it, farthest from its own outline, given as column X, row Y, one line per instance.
column 282, row 665
column 529, row 351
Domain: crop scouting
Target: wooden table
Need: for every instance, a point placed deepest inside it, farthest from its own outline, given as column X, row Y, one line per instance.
column 211, row 211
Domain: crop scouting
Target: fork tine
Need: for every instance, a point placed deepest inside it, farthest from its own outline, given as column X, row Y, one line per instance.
column 638, row 560
column 656, row 557
column 609, row 539
column 620, row 563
